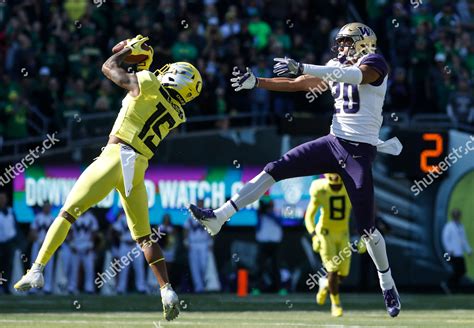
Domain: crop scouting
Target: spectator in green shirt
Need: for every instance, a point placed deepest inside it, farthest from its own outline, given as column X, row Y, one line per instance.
column 15, row 114
column 260, row 30
column 183, row 50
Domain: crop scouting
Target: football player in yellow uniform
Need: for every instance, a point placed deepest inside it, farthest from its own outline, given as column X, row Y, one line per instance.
column 152, row 107
column 330, row 235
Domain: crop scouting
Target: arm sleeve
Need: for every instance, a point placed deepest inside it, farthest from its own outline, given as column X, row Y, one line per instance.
column 378, row 63
column 311, row 210
column 349, row 74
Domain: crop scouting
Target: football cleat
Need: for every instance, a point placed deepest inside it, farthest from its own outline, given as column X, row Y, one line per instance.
column 170, row 302
column 206, row 218
column 32, row 279
column 392, row 301
column 322, row 294
column 336, row 310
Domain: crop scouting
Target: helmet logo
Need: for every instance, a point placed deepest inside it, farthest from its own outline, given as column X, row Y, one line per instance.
column 198, row 86
column 364, row 30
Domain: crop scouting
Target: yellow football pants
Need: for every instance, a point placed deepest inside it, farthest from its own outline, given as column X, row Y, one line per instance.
column 335, row 252
column 105, row 175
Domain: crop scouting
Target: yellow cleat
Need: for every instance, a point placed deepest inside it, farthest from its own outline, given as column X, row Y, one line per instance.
column 336, row 310
column 323, row 291
column 32, row 279
column 321, row 296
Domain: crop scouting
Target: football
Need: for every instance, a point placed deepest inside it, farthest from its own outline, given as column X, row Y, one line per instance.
column 131, row 59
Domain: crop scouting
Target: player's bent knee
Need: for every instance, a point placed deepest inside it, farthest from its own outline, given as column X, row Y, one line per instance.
column 71, row 219
column 144, row 241
column 272, row 169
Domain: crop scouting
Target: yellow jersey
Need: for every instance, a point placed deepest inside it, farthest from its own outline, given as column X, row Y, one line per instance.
column 145, row 120
column 335, row 208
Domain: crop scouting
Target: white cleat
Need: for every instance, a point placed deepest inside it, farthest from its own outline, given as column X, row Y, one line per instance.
column 206, row 218
column 32, row 279
column 170, row 302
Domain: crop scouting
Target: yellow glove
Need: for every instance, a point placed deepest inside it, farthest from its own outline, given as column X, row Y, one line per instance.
column 145, row 65
column 316, row 244
column 361, row 246
column 135, row 45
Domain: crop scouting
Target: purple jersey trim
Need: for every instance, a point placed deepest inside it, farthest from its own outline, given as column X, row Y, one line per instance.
column 378, row 63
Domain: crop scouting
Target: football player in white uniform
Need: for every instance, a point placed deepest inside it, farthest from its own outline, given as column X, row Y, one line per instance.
column 82, row 246
column 127, row 244
column 358, row 82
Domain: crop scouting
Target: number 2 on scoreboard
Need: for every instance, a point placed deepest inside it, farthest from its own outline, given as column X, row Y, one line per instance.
column 431, row 153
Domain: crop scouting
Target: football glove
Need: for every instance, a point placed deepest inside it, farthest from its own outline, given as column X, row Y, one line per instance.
column 287, row 66
column 241, row 81
column 135, row 45
column 316, row 243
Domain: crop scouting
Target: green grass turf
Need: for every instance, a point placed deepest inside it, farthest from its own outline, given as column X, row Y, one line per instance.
column 223, row 310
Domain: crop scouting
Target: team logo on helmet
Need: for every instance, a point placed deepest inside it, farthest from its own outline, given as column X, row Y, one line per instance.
column 362, row 41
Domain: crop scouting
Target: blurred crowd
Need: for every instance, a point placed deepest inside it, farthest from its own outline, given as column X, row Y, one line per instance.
column 52, row 51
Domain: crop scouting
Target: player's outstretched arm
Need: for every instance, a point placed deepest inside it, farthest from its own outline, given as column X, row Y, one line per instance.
column 309, row 215
column 248, row 80
column 285, row 84
column 363, row 74
column 112, row 70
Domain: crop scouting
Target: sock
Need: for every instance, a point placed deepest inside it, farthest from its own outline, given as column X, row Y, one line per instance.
column 376, row 249
column 335, row 299
column 323, row 282
column 224, row 212
column 55, row 236
column 386, row 280
column 250, row 192
column 37, row 267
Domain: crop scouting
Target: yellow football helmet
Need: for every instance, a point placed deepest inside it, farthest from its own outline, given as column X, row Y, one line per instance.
column 364, row 41
column 333, row 178
column 182, row 80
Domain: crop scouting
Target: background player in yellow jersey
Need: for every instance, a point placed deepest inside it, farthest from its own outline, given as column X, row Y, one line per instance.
column 151, row 108
column 330, row 235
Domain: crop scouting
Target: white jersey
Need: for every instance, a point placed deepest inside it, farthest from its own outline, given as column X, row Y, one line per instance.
column 41, row 224
column 358, row 108
column 82, row 231
column 121, row 227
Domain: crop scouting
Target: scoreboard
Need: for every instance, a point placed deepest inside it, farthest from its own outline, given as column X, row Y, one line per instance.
column 423, row 151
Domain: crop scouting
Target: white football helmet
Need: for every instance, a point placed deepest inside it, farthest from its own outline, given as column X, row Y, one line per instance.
column 182, row 80
column 364, row 41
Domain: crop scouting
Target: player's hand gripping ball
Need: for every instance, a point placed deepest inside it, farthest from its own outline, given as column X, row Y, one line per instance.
column 141, row 54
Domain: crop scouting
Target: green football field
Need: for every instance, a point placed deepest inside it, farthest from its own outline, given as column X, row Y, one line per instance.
column 223, row 310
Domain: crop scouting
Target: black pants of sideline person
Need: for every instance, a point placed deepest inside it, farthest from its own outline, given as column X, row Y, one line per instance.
column 268, row 261
column 458, row 264
column 7, row 251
